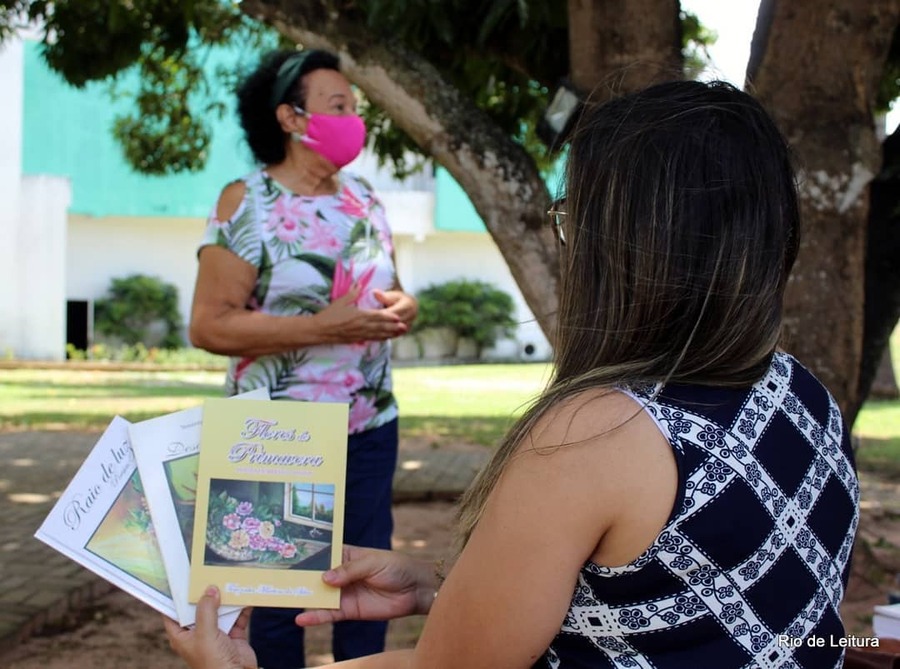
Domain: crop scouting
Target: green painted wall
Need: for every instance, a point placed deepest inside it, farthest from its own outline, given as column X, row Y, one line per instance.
column 67, row 132
column 453, row 210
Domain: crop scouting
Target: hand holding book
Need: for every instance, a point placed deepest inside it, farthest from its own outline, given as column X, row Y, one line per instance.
column 141, row 502
column 208, row 647
column 377, row 585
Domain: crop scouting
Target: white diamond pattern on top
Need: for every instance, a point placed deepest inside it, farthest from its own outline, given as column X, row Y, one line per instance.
column 708, row 589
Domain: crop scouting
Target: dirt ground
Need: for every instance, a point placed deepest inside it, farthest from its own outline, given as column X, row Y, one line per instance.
column 121, row 632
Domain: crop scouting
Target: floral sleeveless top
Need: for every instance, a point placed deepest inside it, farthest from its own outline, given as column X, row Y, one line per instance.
column 308, row 251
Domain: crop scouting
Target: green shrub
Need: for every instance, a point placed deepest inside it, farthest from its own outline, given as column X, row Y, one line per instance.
column 73, row 353
column 133, row 305
column 476, row 310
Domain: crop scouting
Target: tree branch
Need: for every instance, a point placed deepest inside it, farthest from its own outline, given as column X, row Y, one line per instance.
column 500, row 178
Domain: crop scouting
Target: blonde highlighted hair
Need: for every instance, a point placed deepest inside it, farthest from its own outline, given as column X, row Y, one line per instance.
column 682, row 226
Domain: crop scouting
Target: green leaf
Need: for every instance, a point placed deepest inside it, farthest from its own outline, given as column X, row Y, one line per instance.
column 503, row 54
column 322, row 264
column 132, row 304
column 265, row 276
column 473, row 309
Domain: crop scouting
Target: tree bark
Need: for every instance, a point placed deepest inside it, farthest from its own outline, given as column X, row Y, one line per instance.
column 818, row 76
column 882, row 307
column 619, row 46
column 500, row 178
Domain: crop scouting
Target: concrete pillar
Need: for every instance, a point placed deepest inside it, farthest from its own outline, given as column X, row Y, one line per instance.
column 42, row 266
column 12, row 70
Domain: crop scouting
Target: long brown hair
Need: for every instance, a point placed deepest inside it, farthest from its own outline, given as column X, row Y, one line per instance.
column 682, row 226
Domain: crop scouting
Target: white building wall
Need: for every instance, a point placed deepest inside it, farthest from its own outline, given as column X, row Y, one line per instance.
column 47, row 258
column 445, row 256
column 409, row 213
column 102, row 249
column 41, row 260
column 12, row 58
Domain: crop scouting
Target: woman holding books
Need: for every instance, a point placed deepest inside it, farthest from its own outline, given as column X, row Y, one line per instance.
column 682, row 495
column 297, row 284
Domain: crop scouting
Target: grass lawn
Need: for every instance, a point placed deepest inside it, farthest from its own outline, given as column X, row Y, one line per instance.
column 80, row 399
column 878, row 428
column 469, row 403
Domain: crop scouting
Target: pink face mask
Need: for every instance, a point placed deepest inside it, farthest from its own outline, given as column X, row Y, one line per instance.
column 337, row 138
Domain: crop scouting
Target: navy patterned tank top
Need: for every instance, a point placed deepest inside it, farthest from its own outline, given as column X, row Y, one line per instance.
column 754, row 560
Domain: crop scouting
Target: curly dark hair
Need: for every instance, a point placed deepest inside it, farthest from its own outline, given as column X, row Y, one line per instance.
column 255, row 110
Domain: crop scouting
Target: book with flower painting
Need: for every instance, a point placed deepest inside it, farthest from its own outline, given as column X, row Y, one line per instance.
column 166, row 450
column 102, row 522
column 269, row 502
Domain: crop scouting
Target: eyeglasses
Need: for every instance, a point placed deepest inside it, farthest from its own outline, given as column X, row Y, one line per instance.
column 557, row 214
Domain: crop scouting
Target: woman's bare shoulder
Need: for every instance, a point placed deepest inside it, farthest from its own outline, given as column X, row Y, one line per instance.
column 600, row 435
column 589, row 415
column 230, row 199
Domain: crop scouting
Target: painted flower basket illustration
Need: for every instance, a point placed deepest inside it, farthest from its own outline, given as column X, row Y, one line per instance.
column 240, row 531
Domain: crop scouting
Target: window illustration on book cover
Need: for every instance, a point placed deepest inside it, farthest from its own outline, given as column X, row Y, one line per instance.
column 167, row 452
column 270, row 502
column 251, row 522
column 102, row 522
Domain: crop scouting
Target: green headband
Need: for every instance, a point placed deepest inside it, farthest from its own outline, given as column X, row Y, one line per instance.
column 287, row 75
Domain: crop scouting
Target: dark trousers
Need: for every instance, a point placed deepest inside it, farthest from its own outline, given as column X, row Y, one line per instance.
column 371, row 460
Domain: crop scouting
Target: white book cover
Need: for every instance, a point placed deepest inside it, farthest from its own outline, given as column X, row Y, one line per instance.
column 886, row 621
column 101, row 521
column 167, row 450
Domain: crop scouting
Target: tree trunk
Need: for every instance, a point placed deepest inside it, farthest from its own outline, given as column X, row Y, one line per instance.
column 884, row 387
column 818, row 75
column 624, row 44
column 500, row 178
column 882, row 307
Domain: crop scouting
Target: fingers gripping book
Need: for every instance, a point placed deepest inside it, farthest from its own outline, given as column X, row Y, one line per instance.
column 270, row 501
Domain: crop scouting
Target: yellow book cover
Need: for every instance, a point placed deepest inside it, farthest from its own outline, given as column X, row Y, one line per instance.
column 270, row 502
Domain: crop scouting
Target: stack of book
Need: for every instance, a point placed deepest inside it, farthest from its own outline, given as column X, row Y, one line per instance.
column 247, row 496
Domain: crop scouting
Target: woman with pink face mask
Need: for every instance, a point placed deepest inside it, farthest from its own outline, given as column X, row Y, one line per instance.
column 297, row 284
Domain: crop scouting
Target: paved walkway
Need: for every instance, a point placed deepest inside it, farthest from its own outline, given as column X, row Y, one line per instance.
column 39, row 587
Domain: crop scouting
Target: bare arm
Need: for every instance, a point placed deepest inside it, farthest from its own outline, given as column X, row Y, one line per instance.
column 572, row 485
column 221, row 322
column 586, row 484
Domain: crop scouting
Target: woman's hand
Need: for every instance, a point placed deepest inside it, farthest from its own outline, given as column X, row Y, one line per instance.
column 376, row 585
column 206, row 646
column 342, row 322
column 404, row 305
